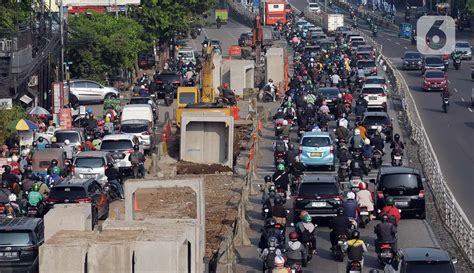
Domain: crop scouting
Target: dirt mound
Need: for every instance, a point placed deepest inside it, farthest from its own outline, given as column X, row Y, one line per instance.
column 185, row 167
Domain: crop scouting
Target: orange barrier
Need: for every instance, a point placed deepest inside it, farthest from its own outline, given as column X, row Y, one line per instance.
column 235, row 110
column 135, row 203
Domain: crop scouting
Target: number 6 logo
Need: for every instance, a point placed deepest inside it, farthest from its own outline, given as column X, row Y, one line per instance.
column 435, row 35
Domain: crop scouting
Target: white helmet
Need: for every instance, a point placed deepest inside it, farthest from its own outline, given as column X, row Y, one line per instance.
column 12, row 197
column 367, row 141
column 142, row 87
column 279, row 260
column 14, row 158
column 311, row 60
column 350, row 195
column 285, row 122
column 25, row 152
column 343, row 122
column 379, row 129
column 67, row 142
column 357, row 132
column 339, row 95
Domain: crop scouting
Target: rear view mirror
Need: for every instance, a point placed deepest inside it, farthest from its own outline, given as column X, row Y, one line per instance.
column 372, row 181
column 454, row 260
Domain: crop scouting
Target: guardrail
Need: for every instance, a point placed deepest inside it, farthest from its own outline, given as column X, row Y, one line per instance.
column 453, row 216
column 362, row 12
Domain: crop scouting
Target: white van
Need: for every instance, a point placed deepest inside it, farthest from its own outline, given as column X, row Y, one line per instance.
column 138, row 111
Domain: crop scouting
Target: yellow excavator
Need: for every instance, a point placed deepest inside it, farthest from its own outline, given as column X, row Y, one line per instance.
column 191, row 99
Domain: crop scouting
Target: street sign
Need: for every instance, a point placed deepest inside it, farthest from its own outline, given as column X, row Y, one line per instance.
column 256, row 3
column 65, row 119
column 58, row 96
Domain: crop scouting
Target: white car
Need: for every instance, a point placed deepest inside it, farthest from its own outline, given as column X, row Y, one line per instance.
column 464, row 48
column 121, row 147
column 375, row 95
column 91, row 91
column 92, row 164
column 314, row 7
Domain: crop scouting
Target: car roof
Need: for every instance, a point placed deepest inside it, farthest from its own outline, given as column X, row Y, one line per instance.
column 92, row 154
column 73, row 130
column 375, row 77
column 319, row 178
column 310, row 134
column 138, row 105
column 392, row 170
column 463, row 41
column 377, row 113
column 433, row 70
column 118, row 137
column 366, row 61
column 135, row 121
column 364, row 52
column 425, row 254
column 74, row 182
column 372, row 85
column 19, row 223
column 412, row 52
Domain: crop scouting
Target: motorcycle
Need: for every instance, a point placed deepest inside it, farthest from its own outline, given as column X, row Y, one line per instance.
column 136, row 170
column 457, row 63
column 374, row 32
column 385, row 255
column 446, row 64
column 338, row 250
column 296, row 268
column 364, row 217
column 343, row 171
column 377, row 159
column 267, row 96
column 367, row 164
column 445, row 105
column 111, row 191
column 168, row 98
column 397, row 159
column 354, row 267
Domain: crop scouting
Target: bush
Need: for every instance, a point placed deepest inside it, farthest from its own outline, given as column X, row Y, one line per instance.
column 8, row 120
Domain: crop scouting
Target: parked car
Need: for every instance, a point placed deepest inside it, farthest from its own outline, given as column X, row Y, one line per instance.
column 369, row 67
column 317, row 149
column 434, row 80
column 121, row 146
column 77, row 190
column 141, row 128
column 92, row 164
column 432, row 62
column 319, row 194
column 412, row 60
column 405, row 186
column 421, row 259
column 464, row 48
column 20, row 239
column 91, row 91
column 375, row 95
column 374, row 120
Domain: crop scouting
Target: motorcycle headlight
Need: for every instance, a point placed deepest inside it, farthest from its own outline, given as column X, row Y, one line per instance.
column 419, row 62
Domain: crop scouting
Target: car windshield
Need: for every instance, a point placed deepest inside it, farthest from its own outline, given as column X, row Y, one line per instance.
column 364, row 48
column 168, row 77
column 89, row 162
column 404, row 180
column 375, row 81
column 369, row 120
column 313, row 5
column 412, row 55
column 318, row 189
column 429, row 267
column 328, row 93
column 316, row 141
column 116, row 144
column 69, row 193
column 133, row 128
column 365, row 64
column 15, row 238
column 434, row 74
column 369, row 90
column 434, row 61
column 139, row 100
column 185, row 54
column 186, row 98
column 462, row 44
column 73, row 137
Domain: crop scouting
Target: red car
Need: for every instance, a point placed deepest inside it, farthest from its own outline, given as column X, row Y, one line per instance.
column 435, row 80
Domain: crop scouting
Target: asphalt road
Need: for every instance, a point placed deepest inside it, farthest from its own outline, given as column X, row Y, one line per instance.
column 450, row 134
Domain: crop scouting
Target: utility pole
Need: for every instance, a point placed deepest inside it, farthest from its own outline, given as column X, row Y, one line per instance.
column 116, row 9
column 61, row 20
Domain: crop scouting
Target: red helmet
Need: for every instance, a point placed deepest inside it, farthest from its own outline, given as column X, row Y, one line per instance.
column 100, row 122
column 293, row 236
column 362, row 186
column 225, row 85
column 303, row 213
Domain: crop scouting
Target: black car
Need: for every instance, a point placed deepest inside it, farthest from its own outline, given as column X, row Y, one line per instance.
column 330, row 93
column 405, row 186
column 432, row 62
column 20, row 239
column 422, row 259
column 412, row 60
column 77, row 190
column 245, row 39
column 374, row 120
column 319, row 194
column 146, row 60
column 166, row 78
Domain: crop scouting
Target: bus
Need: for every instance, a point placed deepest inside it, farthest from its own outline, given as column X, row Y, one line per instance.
column 275, row 11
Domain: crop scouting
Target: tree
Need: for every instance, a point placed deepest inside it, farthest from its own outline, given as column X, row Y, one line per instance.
column 13, row 12
column 99, row 43
column 8, row 119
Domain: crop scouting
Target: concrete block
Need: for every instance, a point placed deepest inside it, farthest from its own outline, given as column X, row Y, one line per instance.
column 239, row 74
column 67, row 217
column 275, row 65
column 207, row 138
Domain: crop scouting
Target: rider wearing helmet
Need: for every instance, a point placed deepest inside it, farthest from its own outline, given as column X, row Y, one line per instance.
column 367, row 149
column 87, row 145
column 68, row 149
column 8, row 177
column 4, row 193
column 386, row 233
column 35, row 198
column 350, row 205
column 362, row 129
column 279, row 262
column 114, row 177
column 267, row 189
column 377, row 140
column 357, row 142
column 296, row 252
column 52, row 164
column 397, row 145
column 364, row 198
column 268, row 254
column 281, row 178
column 356, row 248
column 137, row 158
column 392, row 211
column 42, row 187
column 41, row 144
column 279, row 211
column 291, row 154
column 305, row 229
column 269, row 230
column 339, row 225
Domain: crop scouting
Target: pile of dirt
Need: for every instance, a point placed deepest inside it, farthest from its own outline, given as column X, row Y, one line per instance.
column 185, row 167
column 240, row 133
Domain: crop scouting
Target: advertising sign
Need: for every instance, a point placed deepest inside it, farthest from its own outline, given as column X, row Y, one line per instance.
column 65, row 118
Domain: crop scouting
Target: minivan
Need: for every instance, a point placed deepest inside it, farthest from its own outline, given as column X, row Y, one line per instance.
column 121, row 147
column 141, row 111
column 142, row 129
column 92, row 164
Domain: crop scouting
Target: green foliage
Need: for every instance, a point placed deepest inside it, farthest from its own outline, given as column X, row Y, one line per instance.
column 162, row 19
column 13, row 12
column 8, row 120
column 100, row 42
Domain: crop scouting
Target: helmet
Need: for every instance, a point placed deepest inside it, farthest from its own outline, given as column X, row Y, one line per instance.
column 379, row 130
column 110, row 165
column 307, row 218
column 7, row 168
column 12, row 197
column 367, row 141
column 225, row 85
column 40, row 139
column 56, row 170
column 142, row 87
column 273, row 242
column 384, row 217
column 293, row 236
column 136, row 147
column 54, row 162
column 67, row 142
column 267, row 179
column 396, row 137
column 285, row 122
column 279, row 260
column 361, row 96
column 280, row 110
column 350, row 195
column 89, row 110
column 390, row 201
column 36, row 187
column 362, row 185
column 88, row 138
column 355, row 234
column 340, row 211
column 302, row 214
column 270, row 80
column 291, row 146
column 270, row 222
column 281, row 167
column 357, row 132
column 14, row 158
column 343, row 122
column 339, row 95
column 278, row 200
column 100, row 122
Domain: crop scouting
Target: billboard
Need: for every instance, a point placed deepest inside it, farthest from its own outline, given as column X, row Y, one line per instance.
column 103, row 3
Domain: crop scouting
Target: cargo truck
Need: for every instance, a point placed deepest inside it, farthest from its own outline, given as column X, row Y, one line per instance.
column 331, row 22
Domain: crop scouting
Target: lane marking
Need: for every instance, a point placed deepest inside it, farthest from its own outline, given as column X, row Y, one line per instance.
column 470, row 110
column 389, row 39
column 405, row 47
column 455, row 89
column 462, row 99
column 397, row 43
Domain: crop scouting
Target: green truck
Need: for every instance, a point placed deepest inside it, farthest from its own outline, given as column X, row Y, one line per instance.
column 223, row 15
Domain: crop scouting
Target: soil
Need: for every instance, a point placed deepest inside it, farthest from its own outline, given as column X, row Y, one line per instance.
column 185, row 167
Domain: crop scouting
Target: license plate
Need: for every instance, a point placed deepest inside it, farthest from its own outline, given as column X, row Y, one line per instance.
column 315, row 154
column 386, row 255
column 364, row 213
column 402, row 204
column 278, row 128
column 397, row 157
column 341, row 243
column 373, row 98
column 8, row 255
column 318, row 204
column 89, row 175
column 435, row 86
column 375, row 127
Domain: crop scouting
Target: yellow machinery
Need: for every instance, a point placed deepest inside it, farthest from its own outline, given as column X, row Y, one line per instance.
column 191, row 100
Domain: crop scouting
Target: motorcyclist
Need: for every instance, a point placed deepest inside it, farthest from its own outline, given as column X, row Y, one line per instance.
column 35, row 199
column 364, row 198
column 445, row 94
column 362, row 101
column 266, row 188
column 285, row 129
column 54, row 177
column 227, row 92
column 339, row 225
column 42, row 187
column 367, row 150
column 342, row 133
column 350, row 205
column 355, row 248
column 16, row 207
column 296, row 252
column 324, row 109
column 68, row 149
column 269, row 253
column 87, row 145
column 281, row 179
column 344, row 154
column 279, row 211
column 356, row 169
column 137, row 158
column 392, row 212
column 270, row 87
column 357, row 142
column 52, row 165
column 8, row 177
column 280, row 265
column 41, row 144
column 290, row 155
column 397, row 146
column 4, row 193
column 386, row 233
column 269, row 231
column 114, row 177
column 362, row 129
column 305, row 229
column 377, row 140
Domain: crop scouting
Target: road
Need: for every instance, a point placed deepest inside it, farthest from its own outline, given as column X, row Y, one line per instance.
column 450, row 134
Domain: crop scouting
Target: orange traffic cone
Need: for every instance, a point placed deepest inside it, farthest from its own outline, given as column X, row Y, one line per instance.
column 135, row 204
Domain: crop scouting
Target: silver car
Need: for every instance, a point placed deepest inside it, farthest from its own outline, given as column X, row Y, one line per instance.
column 92, row 164
column 464, row 48
column 91, row 91
column 142, row 129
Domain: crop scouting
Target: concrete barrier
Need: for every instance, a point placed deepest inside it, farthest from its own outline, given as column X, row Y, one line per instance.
column 240, row 74
column 275, row 64
column 67, row 217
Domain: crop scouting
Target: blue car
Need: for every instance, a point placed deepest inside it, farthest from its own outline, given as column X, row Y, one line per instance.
column 317, row 149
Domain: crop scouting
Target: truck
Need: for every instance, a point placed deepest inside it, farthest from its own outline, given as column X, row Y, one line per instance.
column 331, row 22
column 222, row 14
column 274, row 11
